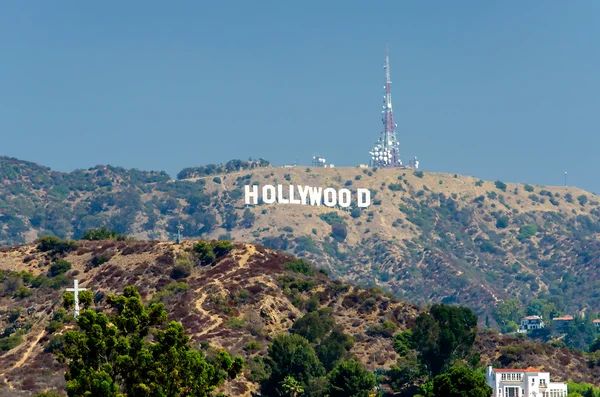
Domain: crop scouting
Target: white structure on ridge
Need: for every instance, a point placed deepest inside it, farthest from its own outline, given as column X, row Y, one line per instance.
column 528, row 382
column 75, row 291
column 531, row 322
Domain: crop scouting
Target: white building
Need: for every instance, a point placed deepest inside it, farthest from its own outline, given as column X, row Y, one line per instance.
column 597, row 323
column 528, row 382
column 531, row 322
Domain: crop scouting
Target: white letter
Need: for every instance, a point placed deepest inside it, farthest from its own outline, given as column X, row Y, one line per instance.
column 344, row 198
column 280, row 198
column 269, row 194
column 292, row 199
column 361, row 202
column 333, row 193
column 315, row 195
column 253, row 194
column 303, row 190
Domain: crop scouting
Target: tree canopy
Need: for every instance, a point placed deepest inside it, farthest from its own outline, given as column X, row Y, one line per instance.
column 461, row 382
column 133, row 352
column 444, row 334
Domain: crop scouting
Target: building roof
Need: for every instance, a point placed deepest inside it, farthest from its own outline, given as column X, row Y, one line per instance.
column 532, row 318
column 529, row 369
column 563, row 318
column 596, row 321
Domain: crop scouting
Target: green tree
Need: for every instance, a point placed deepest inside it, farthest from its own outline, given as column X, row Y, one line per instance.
column 595, row 346
column 102, row 234
column 86, row 298
column 333, row 348
column 68, row 300
column 461, row 382
column 314, row 325
column 205, row 253
column 112, row 356
column 407, row 368
column 581, row 333
column 59, row 267
column 291, row 355
column 291, row 387
column 445, row 334
column 506, row 311
column 248, row 218
column 349, row 378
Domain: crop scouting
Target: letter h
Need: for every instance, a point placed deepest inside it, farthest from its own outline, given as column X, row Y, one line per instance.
column 251, row 194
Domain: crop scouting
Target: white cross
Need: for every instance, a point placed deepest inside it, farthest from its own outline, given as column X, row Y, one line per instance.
column 75, row 291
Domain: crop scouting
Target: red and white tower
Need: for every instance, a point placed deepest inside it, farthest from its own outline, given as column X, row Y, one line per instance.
column 386, row 152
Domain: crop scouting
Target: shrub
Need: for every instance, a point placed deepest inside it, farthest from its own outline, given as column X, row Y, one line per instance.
column 235, row 323
column 314, row 325
column 500, row 185
column 54, row 326
column 582, row 199
column 355, row 213
column 418, row 174
column 182, row 269
column 55, row 244
column 23, row 292
column 479, row 183
column 252, row 345
column 217, row 179
column 98, row 260
column 502, row 222
column 59, row 267
column 102, row 234
column 528, row 188
column 386, row 329
column 204, row 251
column 332, row 217
column 526, row 232
column 339, row 232
column 10, row 342
column 222, row 248
column 300, row 266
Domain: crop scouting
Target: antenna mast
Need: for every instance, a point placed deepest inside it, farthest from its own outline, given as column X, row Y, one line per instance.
column 386, row 152
column 179, row 228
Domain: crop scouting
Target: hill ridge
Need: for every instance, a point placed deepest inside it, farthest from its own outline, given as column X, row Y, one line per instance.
column 426, row 237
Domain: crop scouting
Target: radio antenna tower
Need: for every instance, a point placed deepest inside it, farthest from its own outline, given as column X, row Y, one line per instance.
column 386, row 152
column 179, row 229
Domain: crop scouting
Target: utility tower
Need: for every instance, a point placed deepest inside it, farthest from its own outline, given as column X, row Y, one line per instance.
column 179, row 229
column 386, row 152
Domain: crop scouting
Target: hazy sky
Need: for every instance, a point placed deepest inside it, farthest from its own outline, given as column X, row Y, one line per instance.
column 505, row 90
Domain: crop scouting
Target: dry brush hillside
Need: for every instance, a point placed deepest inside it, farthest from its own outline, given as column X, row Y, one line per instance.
column 428, row 237
column 247, row 295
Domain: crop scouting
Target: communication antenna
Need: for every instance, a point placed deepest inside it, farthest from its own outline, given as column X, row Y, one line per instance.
column 179, row 229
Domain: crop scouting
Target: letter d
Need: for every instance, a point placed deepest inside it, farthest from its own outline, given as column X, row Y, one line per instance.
column 364, row 197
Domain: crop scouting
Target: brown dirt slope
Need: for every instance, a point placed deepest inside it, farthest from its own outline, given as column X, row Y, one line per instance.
column 245, row 296
column 428, row 237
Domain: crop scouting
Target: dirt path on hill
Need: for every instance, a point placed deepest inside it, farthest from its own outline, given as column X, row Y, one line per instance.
column 242, row 263
column 29, row 350
column 213, row 317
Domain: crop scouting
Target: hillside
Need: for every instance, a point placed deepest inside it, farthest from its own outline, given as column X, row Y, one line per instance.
column 427, row 237
column 247, row 295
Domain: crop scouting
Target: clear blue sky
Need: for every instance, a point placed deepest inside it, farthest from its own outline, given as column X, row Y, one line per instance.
column 500, row 90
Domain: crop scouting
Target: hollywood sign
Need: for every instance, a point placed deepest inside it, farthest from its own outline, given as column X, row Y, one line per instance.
column 307, row 195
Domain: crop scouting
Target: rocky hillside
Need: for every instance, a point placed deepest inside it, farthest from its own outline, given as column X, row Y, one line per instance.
column 427, row 237
column 238, row 301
